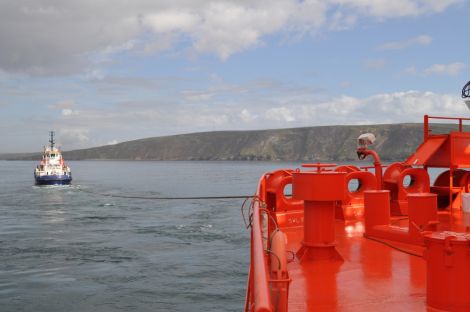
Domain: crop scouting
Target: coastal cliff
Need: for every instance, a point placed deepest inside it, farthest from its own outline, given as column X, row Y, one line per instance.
column 394, row 142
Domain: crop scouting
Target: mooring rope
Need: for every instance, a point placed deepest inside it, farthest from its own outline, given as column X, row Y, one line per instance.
column 391, row 245
column 168, row 198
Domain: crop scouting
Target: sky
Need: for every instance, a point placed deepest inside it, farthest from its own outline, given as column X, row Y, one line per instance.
column 102, row 72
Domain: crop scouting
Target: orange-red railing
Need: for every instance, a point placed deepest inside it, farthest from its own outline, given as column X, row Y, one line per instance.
column 258, row 298
column 426, row 123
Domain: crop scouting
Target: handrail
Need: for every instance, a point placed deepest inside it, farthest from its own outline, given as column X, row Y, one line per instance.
column 426, row 123
column 258, row 294
column 447, row 118
column 262, row 300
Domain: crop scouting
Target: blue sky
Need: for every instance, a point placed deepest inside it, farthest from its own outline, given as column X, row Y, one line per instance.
column 102, row 72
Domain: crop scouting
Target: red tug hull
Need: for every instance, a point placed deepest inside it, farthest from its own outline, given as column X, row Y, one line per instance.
column 396, row 242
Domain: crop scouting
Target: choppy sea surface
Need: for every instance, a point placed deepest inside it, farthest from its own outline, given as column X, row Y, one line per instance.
column 72, row 249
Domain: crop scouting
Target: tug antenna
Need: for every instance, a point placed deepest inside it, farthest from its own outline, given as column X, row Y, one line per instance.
column 51, row 140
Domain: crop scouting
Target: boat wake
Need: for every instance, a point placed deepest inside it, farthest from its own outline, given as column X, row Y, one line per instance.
column 57, row 187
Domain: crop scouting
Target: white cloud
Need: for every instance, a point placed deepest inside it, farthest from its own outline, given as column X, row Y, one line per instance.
column 397, row 8
column 95, row 74
column 41, row 37
column 451, row 69
column 65, row 108
column 400, row 45
column 67, row 112
column 306, row 110
column 171, row 21
column 106, row 53
column 396, row 107
column 112, row 142
column 246, row 116
column 342, row 21
column 280, row 114
column 229, row 27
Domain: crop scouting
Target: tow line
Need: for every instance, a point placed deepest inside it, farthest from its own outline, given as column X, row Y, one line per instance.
column 169, row 198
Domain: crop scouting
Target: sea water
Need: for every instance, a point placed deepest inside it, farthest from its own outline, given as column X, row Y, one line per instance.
column 71, row 248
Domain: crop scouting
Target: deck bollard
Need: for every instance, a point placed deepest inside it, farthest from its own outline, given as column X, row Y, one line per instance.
column 376, row 209
column 422, row 213
column 320, row 191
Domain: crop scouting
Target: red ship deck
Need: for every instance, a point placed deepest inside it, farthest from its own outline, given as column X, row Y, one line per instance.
column 374, row 276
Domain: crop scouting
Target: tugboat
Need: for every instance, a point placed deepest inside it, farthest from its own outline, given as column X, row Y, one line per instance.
column 386, row 245
column 52, row 169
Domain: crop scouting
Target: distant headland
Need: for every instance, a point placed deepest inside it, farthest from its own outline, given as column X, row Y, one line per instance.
column 338, row 143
